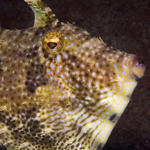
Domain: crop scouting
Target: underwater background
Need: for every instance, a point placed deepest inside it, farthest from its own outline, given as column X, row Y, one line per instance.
column 125, row 25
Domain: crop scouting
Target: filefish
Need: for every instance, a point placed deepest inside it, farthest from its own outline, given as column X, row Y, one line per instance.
column 61, row 88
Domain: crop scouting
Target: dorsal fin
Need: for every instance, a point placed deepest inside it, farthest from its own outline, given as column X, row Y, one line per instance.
column 43, row 14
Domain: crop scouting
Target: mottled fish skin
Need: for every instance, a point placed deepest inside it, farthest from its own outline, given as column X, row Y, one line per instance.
column 60, row 88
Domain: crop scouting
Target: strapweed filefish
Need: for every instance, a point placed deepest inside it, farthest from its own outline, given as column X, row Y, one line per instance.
column 60, row 88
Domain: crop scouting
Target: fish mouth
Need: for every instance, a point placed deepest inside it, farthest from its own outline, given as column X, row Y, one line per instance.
column 134, row 66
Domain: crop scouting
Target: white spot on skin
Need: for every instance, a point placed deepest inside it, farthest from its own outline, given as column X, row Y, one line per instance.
column 67, row 68
column 69, row 46
column 102, row 96
column 82, row 66
column 66, row 81
column 67, row 74
column 91, row 91
column 62, row 85
column 73, row 73
column 107, row 49
column 93, row 74
column 103, row 71
column 82, row 51
column 47, row 63
column 83, row 79
column 65, row 55
column 91, row 47
column 104, row 62
column 97, row 83
column 58, row 70
column 103, row 55
column 89, row 86
column 78, row 79
column 62, row 76
column 70, row 37
column 73, row 96
column 51, row 79
column 37, row 77
column 83, row 58
column 110, row 55
column 60, row 66
column 97, row 64
column 106, row 89
column 58, row 59
column 73, row 64
column 52, row 66
column 55, row 90
column 77, row 85
column 87, row 53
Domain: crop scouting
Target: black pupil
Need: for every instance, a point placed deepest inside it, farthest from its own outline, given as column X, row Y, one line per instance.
column 52, row 45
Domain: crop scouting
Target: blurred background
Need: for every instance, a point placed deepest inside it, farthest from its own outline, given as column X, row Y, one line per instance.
column 123, row 24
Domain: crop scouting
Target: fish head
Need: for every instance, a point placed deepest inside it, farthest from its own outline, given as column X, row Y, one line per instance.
column 87, row 66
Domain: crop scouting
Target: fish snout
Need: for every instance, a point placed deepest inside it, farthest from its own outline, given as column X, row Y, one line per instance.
column 134, row 66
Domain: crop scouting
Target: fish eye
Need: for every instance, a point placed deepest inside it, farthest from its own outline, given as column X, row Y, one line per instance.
column 53, row 42
column 52, row 45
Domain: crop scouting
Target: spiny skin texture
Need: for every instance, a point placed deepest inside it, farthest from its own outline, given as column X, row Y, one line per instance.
column 61, row 89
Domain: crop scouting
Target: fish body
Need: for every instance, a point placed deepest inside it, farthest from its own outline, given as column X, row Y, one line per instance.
column 60, row 88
